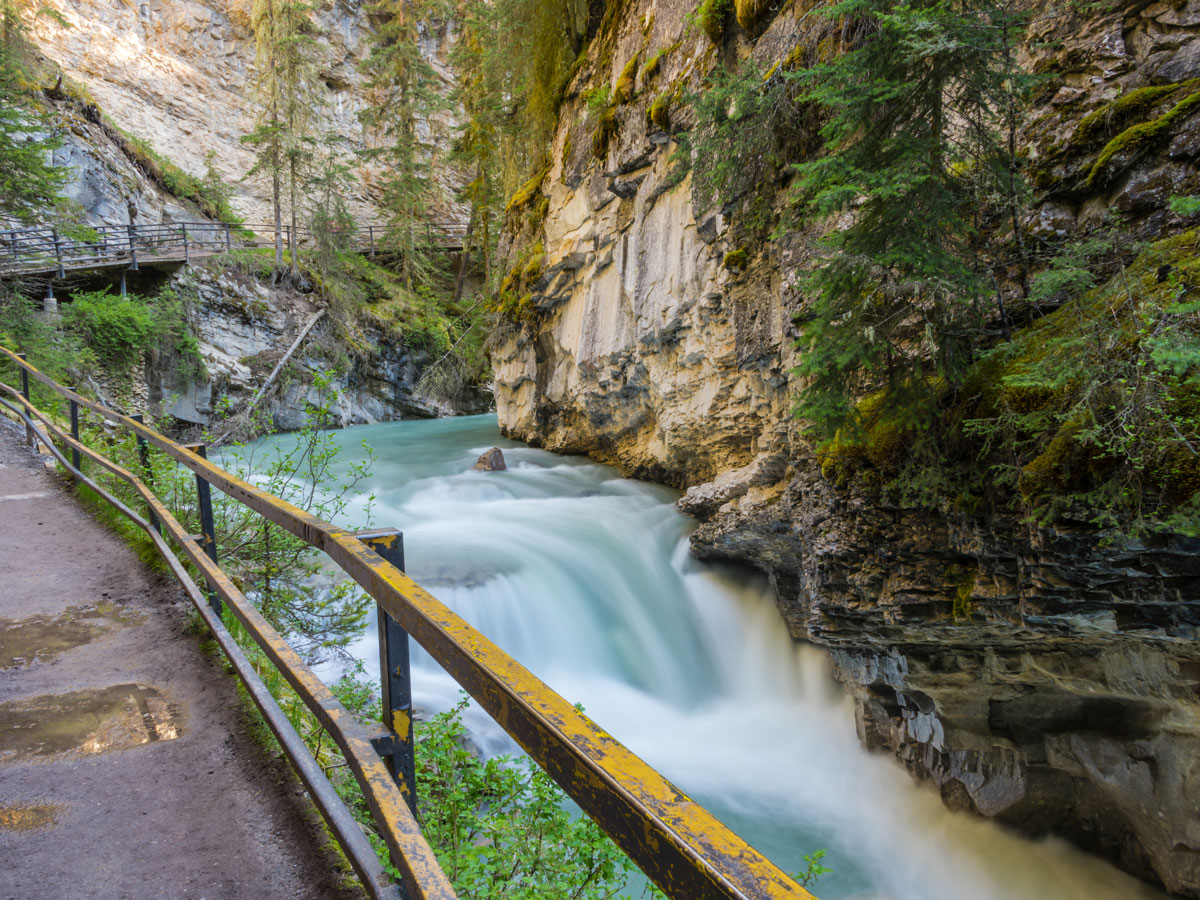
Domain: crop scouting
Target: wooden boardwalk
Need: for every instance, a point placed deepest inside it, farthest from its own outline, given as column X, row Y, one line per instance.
column 54, row 252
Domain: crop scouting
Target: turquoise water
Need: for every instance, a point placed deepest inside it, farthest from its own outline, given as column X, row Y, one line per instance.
column 585, row 578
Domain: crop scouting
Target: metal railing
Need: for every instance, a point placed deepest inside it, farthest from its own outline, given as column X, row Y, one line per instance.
column 681, row 847
column 29, row 251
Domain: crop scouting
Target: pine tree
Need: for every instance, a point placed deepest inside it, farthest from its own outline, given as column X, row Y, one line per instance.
column 916, row 111
column 478, row 148
column 286, row 91
column 29, row 182
column 404, row 96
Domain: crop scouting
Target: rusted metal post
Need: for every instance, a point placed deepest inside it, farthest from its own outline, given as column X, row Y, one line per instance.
column 395, row 677
column 132, row 247
column 147, row 473
column 204, row 497
column 25, row 394
column 76, row 458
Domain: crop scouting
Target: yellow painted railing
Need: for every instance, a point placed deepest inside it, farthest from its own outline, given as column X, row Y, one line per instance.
column 680, row 846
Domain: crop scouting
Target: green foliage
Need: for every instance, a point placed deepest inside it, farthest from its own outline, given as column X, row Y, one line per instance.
column 210, row 193
column 524, row 52
column 913, row 145
column 501, row 827
column 746, row 129
column 1185, row 206
column 121, row 331
column 29, row 184
column 1097, row 404
column 275, row 568
column 712, row 17
column 404, row 89
column 286, row 99
column 1127, row 146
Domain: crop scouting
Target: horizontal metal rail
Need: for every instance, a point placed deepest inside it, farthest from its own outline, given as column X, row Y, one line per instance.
column 682, row 847
column 33, row 250
column 422, row 877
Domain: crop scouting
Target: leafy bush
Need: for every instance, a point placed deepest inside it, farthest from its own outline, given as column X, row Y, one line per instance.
column 120, row 331
column 501, row 828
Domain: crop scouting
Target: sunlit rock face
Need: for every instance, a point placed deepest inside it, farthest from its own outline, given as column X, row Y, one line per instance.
column 179, row 73
column 1033, row 675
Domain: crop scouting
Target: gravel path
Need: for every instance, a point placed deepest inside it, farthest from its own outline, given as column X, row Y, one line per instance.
column 126, row 769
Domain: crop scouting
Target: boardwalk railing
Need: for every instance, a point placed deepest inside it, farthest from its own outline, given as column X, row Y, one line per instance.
column 50, row 250
column 676, row 842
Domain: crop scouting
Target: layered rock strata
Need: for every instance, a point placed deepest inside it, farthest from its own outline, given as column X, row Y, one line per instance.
column 1037, row 676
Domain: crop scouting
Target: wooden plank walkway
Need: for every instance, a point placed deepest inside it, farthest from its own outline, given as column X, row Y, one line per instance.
column 46, row 250
column 126, row 768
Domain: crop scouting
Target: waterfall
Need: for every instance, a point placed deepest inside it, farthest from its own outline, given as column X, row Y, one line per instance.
column 586, row 579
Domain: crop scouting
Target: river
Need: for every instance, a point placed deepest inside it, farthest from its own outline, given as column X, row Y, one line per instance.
column 586, row 579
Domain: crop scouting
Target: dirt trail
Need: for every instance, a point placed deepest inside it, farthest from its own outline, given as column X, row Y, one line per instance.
column 126, row 770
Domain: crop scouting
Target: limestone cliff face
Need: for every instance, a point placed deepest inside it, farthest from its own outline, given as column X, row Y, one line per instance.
column 178, row 74
column 1034, row 675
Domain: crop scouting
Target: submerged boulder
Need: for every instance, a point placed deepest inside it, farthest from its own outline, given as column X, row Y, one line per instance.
column 491, row 461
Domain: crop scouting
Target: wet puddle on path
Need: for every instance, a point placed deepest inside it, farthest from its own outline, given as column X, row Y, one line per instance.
column 84, row 723
column 29, row 817
column 24, row 642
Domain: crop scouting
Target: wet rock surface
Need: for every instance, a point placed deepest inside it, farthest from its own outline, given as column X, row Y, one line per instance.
column 1032, row 675
column 491, row 461
column 651, row 353
column 125, row 760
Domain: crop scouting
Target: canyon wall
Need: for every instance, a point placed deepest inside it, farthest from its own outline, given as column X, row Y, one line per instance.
column 1039, row 675
column 178, row 74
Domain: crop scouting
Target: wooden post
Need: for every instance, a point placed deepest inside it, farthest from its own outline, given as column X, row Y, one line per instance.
column 394, row 674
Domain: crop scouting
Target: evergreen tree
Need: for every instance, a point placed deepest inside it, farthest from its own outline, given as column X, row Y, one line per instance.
column 512, row 65
column 917, row 110
column 478, row 148
column 29, row 182
column 403, row 98
column 286, row 92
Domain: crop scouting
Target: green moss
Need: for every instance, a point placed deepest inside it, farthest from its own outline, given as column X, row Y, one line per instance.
column 526, row 193
column 659, row 113
column 737, row 259
column 789, row 63
column 537, row 258
column 623, row 90
column 1137, row 103
column 606, row 129
column 1137, row 138
column 751, row 12
column 877, row 440
column 652, row 67
column 712, row 16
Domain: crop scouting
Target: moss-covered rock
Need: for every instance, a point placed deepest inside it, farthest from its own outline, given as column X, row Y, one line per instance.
column 713, row 16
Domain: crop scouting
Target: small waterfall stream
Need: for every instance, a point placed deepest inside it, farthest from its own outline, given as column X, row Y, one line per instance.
column 585, row 578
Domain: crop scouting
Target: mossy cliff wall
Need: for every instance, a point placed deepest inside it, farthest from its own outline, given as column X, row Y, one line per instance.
column 1036, row 675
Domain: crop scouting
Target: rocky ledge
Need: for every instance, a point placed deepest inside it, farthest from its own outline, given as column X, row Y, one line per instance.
column 1034, row 676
